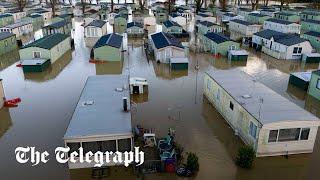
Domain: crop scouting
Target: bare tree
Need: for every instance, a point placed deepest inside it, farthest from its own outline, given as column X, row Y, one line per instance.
column 265, row 2
column 83, row 4
column 213, row 2
column 112, row 4
column 254, row 4
column 223, row 4
column 141, row 4
column 316, row 3
column 21, row 4
column 199, row 4
column 281, row 4
column 171, row 4
column 53, row 4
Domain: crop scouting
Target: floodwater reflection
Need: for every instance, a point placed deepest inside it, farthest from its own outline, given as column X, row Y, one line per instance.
column 8, row 59
column 296, row 92
column 312, row 105
column 165, row 72
column 109, row 67
column 114, row 173
column 5, row 121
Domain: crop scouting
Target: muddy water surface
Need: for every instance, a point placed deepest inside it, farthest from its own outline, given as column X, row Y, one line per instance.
column 174, row 100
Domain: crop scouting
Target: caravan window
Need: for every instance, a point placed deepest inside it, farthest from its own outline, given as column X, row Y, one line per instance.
column 91, row 146
column 273, row 135
column 208, row 85
column 289, row 134
column 124, row 145
column 108, row 146
column 318, row 84
column 36, row 54
column 304, row 134
column 231, row 105
column 253, row 130
column 73, row 147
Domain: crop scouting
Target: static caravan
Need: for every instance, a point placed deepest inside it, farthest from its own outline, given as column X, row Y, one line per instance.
column 135, row 29
column 181, row 20
column 49, row 47
column 171, row 27
column 205, row 26
column 102, row 119
column 19, row 28
column 281, row 45
column 8, row 42
column 314, row 38
column 6, row 19
column 17, row 15
column 257, row 18
column 62, row 27
column 217, row 43
column 240, row 30
column 282, row 26
column 287, row 16
column 289, row 47
column 205, row 17
column 108, row 48
column 166, row 46
column 94, row 30
column 267, row 121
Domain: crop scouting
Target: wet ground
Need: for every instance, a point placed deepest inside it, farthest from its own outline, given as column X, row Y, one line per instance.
column 174, row 100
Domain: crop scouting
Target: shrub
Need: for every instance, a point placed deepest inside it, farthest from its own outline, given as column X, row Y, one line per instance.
column 179, row 151
column 245, row 157
column 192, row 162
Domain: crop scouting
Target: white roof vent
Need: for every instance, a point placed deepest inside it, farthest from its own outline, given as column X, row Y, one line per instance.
column 246, row 96
column 119, row 89
column 87, row 103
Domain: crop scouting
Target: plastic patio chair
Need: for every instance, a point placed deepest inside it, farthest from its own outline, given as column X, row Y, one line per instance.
column 165, row 155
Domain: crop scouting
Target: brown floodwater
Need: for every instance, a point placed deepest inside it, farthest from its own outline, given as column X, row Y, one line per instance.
column 174, row 100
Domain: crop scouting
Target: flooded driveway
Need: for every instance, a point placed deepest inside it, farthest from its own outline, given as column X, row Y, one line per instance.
column 174, row 100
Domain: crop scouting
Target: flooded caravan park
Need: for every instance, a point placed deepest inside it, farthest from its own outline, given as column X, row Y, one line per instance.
column 174, row 100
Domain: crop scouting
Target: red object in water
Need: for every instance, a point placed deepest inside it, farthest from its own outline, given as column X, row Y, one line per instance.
column 95, row 61
column 170, row 168
column 8, row 104
column 19, row 65
column 12, row 102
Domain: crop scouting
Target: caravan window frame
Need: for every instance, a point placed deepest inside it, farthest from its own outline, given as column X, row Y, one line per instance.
column 318, row 84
